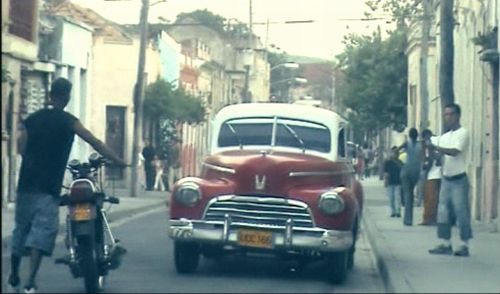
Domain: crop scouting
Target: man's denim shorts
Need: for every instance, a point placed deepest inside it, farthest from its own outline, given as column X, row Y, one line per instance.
column 36, row 223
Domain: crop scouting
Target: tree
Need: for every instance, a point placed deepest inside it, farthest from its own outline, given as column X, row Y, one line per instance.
column 376, row 70
column 216, row 22
column 375, row 78
column 166, row 107
column 205, row 17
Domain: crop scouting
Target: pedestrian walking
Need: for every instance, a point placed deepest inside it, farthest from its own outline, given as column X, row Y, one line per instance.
column 149, row 152
column 410, row 173
column 454, row 206
column 158, row 164
column 367, row 160
column 432, row 169
column 45, row 144
column 360, row 163
column 392, row 182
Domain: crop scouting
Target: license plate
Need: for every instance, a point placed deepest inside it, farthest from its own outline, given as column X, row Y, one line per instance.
column 82, row 211
column 258, row 239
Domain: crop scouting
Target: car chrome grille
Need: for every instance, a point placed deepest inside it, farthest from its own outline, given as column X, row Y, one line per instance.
column 273, row 212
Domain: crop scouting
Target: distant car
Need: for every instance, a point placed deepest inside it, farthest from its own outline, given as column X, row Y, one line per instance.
column 278, row 182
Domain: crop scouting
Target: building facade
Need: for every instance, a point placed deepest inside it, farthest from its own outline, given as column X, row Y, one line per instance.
column 474, row 85
column 24, row 82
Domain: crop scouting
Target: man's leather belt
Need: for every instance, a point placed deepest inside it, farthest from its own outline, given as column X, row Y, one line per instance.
column 455, row 177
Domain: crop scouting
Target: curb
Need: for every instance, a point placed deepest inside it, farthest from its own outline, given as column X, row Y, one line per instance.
column 392, row 276
column 117, row 215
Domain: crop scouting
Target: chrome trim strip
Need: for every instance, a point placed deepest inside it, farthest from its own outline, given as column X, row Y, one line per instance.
column 259, row 205
column 288, row 232
column 264, row 201
column 263, row 218
column 317, row 173
column 220, row 168
column 225, row 230
column 258, row 212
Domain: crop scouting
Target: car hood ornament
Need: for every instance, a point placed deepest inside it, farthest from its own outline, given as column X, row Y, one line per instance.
column 260, row 182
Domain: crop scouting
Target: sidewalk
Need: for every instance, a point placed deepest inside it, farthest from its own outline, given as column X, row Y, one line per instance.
column 401, row 252
column 128, row 206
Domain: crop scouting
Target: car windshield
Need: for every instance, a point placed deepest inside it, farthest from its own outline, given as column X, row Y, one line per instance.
column 305, row 135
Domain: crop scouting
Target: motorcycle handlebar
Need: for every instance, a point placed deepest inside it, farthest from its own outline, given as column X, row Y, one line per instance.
column 112, row 199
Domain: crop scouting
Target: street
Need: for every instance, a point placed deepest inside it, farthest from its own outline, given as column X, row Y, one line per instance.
column 148, row 268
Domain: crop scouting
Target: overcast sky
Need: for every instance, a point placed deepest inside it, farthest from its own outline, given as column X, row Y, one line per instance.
column 319, row 39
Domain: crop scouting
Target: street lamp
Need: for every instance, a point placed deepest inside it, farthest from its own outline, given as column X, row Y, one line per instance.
column 286, row 64
column 289, row 82
column 294, row 79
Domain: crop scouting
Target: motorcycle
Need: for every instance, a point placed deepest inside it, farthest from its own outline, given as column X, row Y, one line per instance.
column 93, row 250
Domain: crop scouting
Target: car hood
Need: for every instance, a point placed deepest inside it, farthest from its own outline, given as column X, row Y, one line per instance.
column 270, row 173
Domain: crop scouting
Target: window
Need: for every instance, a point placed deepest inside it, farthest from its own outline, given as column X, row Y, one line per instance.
column 22, row 18
column 289, row 133
column 341, row 144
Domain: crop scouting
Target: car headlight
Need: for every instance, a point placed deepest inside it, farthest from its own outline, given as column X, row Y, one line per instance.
column 331, row 203
column 188, row 193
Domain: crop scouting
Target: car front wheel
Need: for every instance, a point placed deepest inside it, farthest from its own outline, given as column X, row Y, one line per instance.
column 337, row 266
column 186, row 256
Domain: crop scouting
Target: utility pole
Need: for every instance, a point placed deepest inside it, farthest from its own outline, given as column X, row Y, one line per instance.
column 138, row 98
column 246, row 95
column 446, row 53
column 423, row 71
column 489, row 211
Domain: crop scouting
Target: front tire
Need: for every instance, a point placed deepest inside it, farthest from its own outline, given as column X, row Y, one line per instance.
column 350, row 257
column 337, row 267
column 88, row 264
column 186, row 256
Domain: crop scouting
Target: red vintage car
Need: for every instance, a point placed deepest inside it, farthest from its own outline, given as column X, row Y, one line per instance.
column 279, row 182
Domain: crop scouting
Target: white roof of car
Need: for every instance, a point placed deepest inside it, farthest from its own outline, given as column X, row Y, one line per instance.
column 330, row 119
column 303, row 112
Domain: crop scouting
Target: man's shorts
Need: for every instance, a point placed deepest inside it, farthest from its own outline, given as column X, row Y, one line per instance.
column 36, row 223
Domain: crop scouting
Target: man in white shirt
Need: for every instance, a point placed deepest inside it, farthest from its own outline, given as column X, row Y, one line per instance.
column 454, row 192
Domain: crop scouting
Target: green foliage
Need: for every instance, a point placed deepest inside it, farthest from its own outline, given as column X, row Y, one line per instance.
column 188, row 108
column 158, row 102
column 375, row 69
column 487, row 40
column 403, row 12
column 168, row 142
column 164, row 102
column 167, row 107
column 226, row 27
column 207, row 18
column 375, row 80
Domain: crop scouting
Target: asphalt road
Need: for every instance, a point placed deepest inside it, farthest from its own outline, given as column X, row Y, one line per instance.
column 148, row 268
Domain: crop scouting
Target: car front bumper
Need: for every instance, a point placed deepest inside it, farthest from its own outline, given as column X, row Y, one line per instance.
column 285, row 237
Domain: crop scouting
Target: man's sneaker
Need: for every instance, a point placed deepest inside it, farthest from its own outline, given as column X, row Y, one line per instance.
column 13, row 285
column 29, row 290
column 463, row 251
column 441, row 249
column 12, row 289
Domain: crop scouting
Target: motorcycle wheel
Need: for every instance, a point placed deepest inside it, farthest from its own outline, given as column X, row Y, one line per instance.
column 88, row 264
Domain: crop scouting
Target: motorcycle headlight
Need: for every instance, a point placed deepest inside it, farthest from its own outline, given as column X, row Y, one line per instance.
column 188, row 193
column 331, row 203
